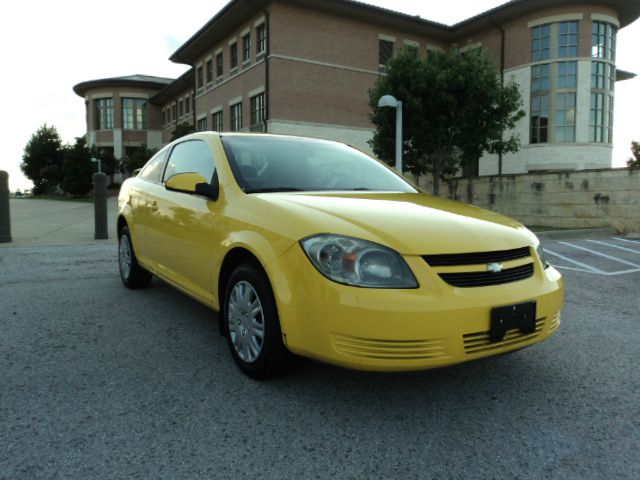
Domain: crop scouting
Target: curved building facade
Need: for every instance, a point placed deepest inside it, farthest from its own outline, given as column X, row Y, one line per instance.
column 304, row 67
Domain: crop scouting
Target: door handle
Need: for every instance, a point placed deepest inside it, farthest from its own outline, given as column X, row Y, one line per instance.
column 153, row 206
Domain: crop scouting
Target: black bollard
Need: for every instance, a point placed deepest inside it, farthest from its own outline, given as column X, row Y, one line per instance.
column 100, row 205
column 5, row 216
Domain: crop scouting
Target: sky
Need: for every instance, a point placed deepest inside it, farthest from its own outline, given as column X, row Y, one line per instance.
column 47, row 47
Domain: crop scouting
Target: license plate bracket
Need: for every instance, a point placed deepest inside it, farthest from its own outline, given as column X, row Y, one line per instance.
column 521, row 317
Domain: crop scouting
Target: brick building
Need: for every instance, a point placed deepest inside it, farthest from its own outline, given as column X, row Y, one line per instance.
column 305, row 66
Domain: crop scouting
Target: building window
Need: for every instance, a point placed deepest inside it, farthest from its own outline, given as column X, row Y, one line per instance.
column 209, row 71
column 134, row 114
column 246, row 48
column 567, row 75
column 187, row 105
column 216, row 121
column 541, row 43
column 565, row 117
column 233, row 55
column 261, row 39
column 219, row 65
column 257, row 110
column 180, row 108
column 104, row 113
column 385, row 52
column 598, row 75
column 173, row 112
column 236, row 117
column 596, row 119
column 603, row 41
column 199, row 78
column 568, row 39
column 202, row 124
column 540, row 84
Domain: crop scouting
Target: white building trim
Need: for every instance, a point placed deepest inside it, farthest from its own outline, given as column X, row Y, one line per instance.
column 567, row 17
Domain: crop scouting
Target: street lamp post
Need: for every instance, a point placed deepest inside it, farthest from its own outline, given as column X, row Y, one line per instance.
column 94, row 160
column 391, row 101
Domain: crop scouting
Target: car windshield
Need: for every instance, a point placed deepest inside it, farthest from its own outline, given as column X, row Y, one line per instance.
column 289, row 164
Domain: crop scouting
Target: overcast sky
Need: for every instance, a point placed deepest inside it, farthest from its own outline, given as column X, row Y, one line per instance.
column 49, row 46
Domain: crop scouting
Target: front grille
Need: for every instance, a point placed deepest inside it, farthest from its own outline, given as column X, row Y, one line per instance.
column 389, row 349
column 485, row 279
column 480, row 342
column 457, row 259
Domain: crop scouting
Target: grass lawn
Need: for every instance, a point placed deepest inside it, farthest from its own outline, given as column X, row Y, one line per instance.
column 62, row 198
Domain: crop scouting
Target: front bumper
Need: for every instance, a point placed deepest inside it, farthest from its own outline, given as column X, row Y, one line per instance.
column 384, row 330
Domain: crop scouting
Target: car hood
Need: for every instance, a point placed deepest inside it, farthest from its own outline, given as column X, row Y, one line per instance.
column 410, row 223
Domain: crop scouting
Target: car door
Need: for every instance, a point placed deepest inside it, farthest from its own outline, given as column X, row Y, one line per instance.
column 141, row 208
column 181, row 226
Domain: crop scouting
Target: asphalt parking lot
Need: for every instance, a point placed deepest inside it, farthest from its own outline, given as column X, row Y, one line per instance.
column 100, row 382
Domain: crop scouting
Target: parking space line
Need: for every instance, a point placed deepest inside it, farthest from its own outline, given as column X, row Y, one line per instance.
column 626, row 240
column 588, row 268
column 637, row 252
column 599, row 254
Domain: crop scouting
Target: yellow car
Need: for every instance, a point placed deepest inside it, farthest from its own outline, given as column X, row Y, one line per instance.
column 309, row 247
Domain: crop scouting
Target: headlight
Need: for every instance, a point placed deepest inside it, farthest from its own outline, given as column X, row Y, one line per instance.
column 358, row 262
column 540, row 252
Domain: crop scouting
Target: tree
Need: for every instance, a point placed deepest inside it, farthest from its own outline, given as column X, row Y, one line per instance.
column 635, row 161
column 455, row 110
column 181, row 130
column 42, row 160
column 138, row 159
column 78, row 169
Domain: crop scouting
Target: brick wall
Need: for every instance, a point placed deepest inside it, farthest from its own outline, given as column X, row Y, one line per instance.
column 572, row 199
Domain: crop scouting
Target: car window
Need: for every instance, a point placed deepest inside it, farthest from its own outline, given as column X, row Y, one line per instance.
column 192, row 156
column 263, row 163
column 153, row 169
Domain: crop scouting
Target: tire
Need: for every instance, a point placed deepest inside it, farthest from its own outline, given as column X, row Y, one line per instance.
column 252, row 325
column 131, row 273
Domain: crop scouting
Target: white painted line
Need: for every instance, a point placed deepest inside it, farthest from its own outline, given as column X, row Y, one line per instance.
column 637, row 252
column 562, row 267
column 623, row 272
column 626, row 240
column 575, row 262
column 599, row 254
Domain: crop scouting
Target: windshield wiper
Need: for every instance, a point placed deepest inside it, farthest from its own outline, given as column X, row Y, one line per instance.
column 273, row 189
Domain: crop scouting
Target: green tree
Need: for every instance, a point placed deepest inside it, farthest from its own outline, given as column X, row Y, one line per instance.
column 455, row 110
column 181, row 130
column 78, row 169
column 108, row 161
column 138, row 159
column 635, row 161
column 42, row 160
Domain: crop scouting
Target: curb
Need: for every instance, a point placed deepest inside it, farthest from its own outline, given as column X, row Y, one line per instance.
column 577, row 234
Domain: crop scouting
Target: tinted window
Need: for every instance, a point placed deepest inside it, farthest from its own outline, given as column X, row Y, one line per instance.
column 193, row 156
column 153, row 169
column 261, row 163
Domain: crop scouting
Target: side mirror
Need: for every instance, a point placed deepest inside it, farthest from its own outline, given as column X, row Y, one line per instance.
column 193, row 183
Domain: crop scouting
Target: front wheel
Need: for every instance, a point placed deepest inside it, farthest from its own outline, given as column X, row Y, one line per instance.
column 131, row 273
column 252, row 325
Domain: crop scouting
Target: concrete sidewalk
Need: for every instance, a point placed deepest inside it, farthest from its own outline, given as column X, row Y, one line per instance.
column 51, row 222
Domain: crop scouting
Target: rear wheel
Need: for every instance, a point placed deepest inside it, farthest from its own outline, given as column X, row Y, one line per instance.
column 131, row 273
column 252, row 325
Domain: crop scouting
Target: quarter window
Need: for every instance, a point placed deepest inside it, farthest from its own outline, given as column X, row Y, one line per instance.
column 152, row 171
column 192, row 156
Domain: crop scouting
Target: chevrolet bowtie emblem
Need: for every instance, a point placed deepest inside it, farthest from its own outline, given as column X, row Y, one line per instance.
column 495, row 267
